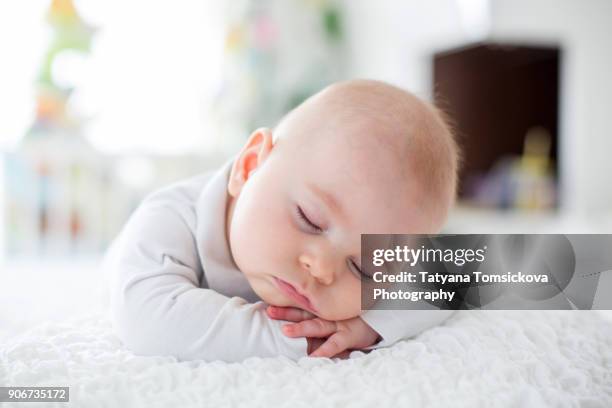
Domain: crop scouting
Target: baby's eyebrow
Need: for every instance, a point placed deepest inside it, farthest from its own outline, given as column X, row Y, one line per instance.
column 327, row 198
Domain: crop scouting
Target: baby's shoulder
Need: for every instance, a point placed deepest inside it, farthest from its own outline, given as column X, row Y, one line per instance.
column 167, row 205
column 182, row 192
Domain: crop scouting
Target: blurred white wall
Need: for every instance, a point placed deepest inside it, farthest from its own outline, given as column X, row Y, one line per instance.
column 22, row 41
column 393, row 41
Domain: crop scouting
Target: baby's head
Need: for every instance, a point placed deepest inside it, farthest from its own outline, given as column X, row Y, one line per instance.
column 358, row 157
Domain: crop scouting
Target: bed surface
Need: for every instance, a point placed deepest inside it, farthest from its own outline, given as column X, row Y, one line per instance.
column 477, row 358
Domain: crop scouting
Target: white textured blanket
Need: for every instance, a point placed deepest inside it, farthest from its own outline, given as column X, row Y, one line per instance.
column 492, row 359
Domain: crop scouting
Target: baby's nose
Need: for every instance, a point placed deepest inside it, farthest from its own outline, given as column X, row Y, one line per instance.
column 321, row 270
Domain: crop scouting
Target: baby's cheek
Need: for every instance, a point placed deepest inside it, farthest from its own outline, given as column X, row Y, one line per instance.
column 271, row 245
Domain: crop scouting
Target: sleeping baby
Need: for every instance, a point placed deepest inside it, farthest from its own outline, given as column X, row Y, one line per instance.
column 262, row 257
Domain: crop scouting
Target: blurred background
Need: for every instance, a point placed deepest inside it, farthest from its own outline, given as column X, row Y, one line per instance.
column 102, row 102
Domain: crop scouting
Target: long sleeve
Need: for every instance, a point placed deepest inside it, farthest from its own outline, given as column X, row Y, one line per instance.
column 158, row 306
column 395, row 325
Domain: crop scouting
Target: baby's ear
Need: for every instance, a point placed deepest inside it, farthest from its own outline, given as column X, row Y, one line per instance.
column 252, row 156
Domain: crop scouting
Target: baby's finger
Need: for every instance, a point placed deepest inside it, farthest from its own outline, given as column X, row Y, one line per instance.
column 291, row 314
column 310, row 328
column 335, row 344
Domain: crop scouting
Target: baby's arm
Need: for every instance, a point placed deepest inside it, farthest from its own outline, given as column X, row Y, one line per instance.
column 158, row 307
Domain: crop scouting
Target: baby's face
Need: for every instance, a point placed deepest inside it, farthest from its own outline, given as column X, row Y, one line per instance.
column 294, row 224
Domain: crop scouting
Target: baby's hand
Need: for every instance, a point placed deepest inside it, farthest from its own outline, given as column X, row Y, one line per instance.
column 339, row 337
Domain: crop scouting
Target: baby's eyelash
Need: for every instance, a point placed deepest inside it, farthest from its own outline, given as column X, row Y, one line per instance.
column 307, row 221
column 361, row 274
